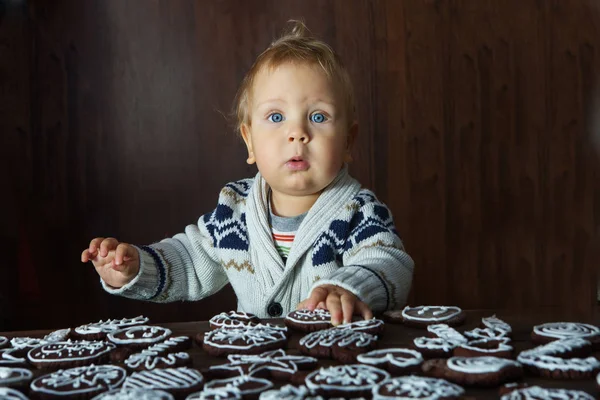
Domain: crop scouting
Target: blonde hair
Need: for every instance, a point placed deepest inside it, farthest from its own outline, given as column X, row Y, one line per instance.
column 297, row 45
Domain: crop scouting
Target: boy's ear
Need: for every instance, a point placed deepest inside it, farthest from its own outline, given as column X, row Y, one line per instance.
column 247, row 136
column 352, row 133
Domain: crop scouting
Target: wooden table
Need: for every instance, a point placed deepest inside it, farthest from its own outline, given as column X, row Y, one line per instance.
column 396, row 335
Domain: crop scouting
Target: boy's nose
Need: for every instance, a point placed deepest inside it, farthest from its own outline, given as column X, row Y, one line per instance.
column 299, row 134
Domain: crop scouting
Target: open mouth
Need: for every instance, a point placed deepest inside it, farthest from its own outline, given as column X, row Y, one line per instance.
column 297, row 163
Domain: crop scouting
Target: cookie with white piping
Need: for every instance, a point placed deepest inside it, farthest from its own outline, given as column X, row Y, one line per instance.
column 16, row 378
column 308, row 321
column 474, row 371
column 440, row 342
column 69, row 354
column 233, row 319
column 221, row 393
column 11, row 394
column 243, row 340
column 134, row 394
column 139, row 336
column 180, row 382
column 485, row 347
column 12, row 357
column 98, row 330
column 397, row 361
column 341, row 344
column 539, row 393
column 551, row 331
column 423, row 316
column 346, row 381
column 372, row 326
column 417, row 387
column 250, row 387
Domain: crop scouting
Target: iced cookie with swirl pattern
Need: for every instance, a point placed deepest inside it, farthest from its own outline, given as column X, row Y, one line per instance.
column 345, row 381
column 308, row 321
column 250, row 387
column 561, row 359
column 139, row 336
column 180, row 382
column 485, row 347
column 340, row 344
column 423, row 316
column 16, row 378
column 539, row 393
column 77, row 383
column 98, row 330
column 396, row 361
column 134, row 394
column 11, row 394
column 417, row 387
column 243, row 340
column 69, row 354
column 474, row 371
column 233, row 319
column 551, row 331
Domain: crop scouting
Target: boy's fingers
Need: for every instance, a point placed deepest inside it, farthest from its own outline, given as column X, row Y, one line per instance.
column 364, row 310
column 347, row 300
column 95, row 244
column 85, row 256
column 335, row 308
column 107, row 245
column 125, row 252
column 321, row 305
column 317, row 295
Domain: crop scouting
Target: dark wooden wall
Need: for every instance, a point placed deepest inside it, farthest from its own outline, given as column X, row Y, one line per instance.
column 477, row 129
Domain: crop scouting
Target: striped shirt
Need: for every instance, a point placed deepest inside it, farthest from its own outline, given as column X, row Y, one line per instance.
column 284, row 231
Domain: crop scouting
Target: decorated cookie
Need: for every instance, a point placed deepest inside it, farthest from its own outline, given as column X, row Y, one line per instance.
column 78, row 383
column 274, row 364
column 59, row 335
column 11, row 394
column 3, row 342
column 243, row 340
column 69, row 354
column 149, row 360
column 486, row 333
column 558, row 359
column 347, row 381
column 289, row 392
column 551, row 331
column 396, row 361
column 422, row 316
column 417, row 387
column 233, row 319
column 21, row 345
column 221, row 393
column 180, row 382
column 308, row 321
column 173, row 344
column 98, row 330
column 139, row 336
column 15, row 377
column 485, row 347
column 474, row 371
column 539, row 393
column 250, row 387
column 496, row 324
column 12, row 357
column 435, row 347
column 134, row 394
column 373, row 326
column 341, row 344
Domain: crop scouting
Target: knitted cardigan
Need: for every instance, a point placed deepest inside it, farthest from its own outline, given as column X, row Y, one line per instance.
column 347, row 239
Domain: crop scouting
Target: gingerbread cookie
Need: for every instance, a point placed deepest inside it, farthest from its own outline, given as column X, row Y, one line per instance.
column 496, row 324
column 149, row 360
column 372, row 326
column 243, row 340
column 69, row 354
column 536, row 392
column 289, row 392
column 134, row 394
column 22, row 345
column 233, row 319
column 396, row 361
column 485, row 347
column 15, row 377
column 417, row 387
column 474, row 371
column 250, row 387
column 221, row 393
column 340, row 344
column 180, row 382
column 558, row 359
column 98, row 330
column 345, row 380
column 552, row 331
column 12, row 357
column 308, row 321
column 59, row 335
column 78, row 383
column 139, row 336
column 11, row 394
column 423, row 316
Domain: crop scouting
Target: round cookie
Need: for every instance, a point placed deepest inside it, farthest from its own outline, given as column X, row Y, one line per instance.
column 345, row 381
column 11, row 394
column 69, row 354
column 422, row 316
column 485, row 347
column 341, row 344
column 149, row 360
column 78, row 383
column 98, row 330
column 396, row 361
column 536, row 392
column 250, row 387
column 139, row 336
column 474, row 371
column 15, row 378
column 372, row 326
column 417, row 387
column 134, row 394
column 233, row 319
column 243, row 340
column 308, row 321
column 180, row 382
column 551, row 331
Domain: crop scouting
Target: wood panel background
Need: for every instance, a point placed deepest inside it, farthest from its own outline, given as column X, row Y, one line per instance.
column 479, row 127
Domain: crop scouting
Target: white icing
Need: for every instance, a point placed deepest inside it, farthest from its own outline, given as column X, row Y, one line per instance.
column 150, row 360
column 365, row 324
column 402, row 358
column 7, row 357
column 168, row 378
column 222, row 393
column 289, row 392
column 501, row 346
column 77, row 350
column 563, row 330
column 350, row 378
column 110, row 325
column 276, row 360
column 233, row 319
column 496, row 324
column 134, row 394
column 416, row 387
column 58, row 336
column 479, row 365
column 251, row 336
column 538, row 393
column 139, row 334
column 79, row 380
column 168, row 345
column 11, row 394
column 3, row 341
column 430, row 313
column 446, row 332
column 26, row 342
column 487, row 333
column 10, row 376
column 317, row 316
column 338, row 337
column 256, row 386
column 437, row 343
column 548, row 356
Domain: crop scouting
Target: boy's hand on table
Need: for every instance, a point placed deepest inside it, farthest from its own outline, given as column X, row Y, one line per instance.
column 341, row 303
column 116, row 263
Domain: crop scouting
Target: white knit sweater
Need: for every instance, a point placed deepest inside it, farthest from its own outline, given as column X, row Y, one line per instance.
column 347, row 239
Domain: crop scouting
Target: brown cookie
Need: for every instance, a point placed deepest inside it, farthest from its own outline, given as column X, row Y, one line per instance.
column 474, row 371
column 180, row 382
column 396, row 361
column 147, row 360
column 417, row 387
column 98, row 330
column 551, row 331
column 485, row 347
column 70, row 354
column 423, row 316
column 233, row 319
column 16, row 378
column 345, row 381
column 537, row 392
column 308, row 321
column 372, row 326
column 338, row 343
column 139, row 336
column 243, row 340
column 250, row 387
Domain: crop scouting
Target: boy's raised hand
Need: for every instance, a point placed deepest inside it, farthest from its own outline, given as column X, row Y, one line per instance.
column 341, row 303
column 116, row 263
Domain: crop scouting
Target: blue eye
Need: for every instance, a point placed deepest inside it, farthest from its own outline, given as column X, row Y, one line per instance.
column 275, row 117
column 318, row 118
